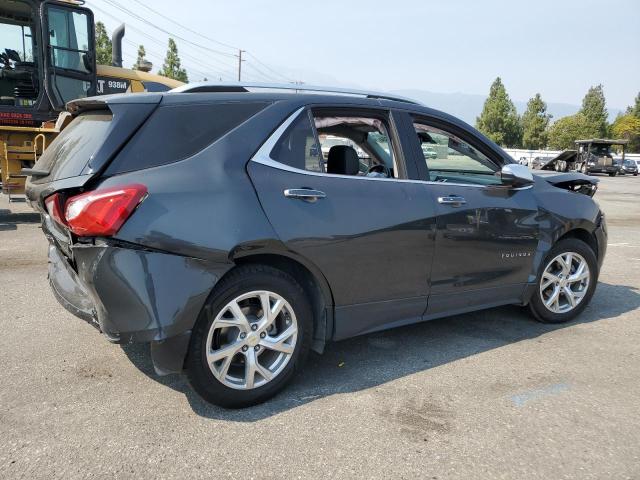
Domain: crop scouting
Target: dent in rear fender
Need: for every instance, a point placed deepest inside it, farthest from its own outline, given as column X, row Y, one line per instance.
column 144, row 295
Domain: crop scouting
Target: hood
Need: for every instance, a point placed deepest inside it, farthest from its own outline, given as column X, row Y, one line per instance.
column 573, row 181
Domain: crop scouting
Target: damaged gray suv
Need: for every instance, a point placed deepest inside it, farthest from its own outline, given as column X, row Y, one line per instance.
column 237, row 227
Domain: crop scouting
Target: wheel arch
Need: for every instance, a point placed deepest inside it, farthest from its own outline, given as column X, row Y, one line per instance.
column 310, row 279
column 582, row 234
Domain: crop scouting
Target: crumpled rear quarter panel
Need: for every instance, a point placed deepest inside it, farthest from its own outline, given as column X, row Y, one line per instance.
column 141, row 295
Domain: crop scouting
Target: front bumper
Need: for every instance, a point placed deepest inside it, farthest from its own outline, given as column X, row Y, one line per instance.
column 135, row 295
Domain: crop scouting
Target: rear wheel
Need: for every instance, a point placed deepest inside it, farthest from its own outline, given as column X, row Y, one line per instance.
column 252, row 336
column 584, row 169
column 566, row 282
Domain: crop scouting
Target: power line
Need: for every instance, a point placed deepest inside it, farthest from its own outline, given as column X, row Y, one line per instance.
column 220, row 68
column 114, row 4
column 268, row 76
column 268, row 67
column 185, row 27
column 256, row 59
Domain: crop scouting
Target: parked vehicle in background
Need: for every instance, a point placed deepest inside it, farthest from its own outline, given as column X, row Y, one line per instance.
column 539, row 162
column 429, row 152
column 208, row 223
column 591, row 156
column 629, row 167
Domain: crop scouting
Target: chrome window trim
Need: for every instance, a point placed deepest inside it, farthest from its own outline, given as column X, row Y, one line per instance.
column 263, row 157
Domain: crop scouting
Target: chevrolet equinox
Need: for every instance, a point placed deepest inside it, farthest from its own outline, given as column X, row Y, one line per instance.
column 237, row 227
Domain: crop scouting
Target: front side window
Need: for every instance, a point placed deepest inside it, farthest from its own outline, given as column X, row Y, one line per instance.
column 70, row 41
column 451, row 159
column 18, row 77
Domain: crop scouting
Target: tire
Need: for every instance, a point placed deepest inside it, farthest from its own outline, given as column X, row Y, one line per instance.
column 537, row 305
column 613, row 174
column 226, row 389
column 584, row 169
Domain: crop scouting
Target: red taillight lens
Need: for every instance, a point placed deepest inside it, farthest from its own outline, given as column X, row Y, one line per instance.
column 54, row 207
column 101, row 213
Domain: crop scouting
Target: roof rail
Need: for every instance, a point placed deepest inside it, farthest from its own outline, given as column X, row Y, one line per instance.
column 289, row 87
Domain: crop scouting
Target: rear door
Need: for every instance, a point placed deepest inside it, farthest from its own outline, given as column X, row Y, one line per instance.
column 487, row 233
column 369, row 235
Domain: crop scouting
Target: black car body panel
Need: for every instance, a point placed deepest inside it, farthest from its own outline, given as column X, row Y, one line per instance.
column 376, row 252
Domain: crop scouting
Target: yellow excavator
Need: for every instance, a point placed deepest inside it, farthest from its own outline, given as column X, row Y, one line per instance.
column 48, row 57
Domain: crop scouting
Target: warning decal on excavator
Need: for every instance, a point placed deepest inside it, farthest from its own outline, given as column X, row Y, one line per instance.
column 107, row 86
column 17, row 119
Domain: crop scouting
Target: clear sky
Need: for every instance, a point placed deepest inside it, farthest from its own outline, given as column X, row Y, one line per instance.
column 556, row 47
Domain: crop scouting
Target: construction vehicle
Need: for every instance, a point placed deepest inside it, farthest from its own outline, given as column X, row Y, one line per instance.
column 590, row 156
column 48, row 58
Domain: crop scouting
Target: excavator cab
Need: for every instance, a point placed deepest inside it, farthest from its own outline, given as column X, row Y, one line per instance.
column 46, row 59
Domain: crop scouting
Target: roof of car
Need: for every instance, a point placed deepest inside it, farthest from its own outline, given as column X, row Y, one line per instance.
column 291, row 88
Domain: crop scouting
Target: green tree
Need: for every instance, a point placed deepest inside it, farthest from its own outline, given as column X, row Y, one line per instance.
column 628, row 127
column 635, row 108
column 499, row 120
column 535, row 122
column 103, row 45
column 171, row 67
column 594, row 109
column 565, row 131
column 140, row 58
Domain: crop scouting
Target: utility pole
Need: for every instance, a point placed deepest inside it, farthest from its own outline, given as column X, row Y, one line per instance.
column 240, row 51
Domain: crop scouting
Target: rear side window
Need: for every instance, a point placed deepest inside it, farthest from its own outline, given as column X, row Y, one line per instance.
column 176, row 132
column 298, row 147
column 72, row 149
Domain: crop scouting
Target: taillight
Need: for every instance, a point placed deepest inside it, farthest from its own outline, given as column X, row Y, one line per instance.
column 101, row 213
column 54, row 207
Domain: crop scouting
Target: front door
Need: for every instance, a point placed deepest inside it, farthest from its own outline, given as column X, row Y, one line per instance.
column 69, row 52
column 487, row 233
column 333, row 188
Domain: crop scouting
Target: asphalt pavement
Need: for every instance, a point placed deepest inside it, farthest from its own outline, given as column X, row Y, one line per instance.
column 491, row 394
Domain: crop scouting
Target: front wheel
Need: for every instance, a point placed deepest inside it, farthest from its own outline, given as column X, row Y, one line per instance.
column 252, row 336
column 565, row 283
column 613, row 174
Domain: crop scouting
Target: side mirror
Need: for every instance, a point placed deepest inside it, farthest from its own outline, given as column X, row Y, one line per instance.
column 514, row 175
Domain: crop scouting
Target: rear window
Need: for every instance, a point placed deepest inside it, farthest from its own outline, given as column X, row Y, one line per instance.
column 73, row 148
column 176, row 132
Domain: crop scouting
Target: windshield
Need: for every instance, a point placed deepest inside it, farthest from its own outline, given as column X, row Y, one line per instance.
column 600, row 150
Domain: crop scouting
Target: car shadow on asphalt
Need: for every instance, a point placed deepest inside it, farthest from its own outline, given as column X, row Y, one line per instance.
column 10, row 220
column 374, row 359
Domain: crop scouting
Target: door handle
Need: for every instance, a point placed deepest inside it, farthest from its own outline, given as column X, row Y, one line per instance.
column 453, row 200
column 306, row 194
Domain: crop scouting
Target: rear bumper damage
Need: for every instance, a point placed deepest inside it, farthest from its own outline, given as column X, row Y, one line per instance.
column 135, row 295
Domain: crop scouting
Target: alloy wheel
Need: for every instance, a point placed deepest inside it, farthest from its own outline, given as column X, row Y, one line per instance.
column 564, row 282
column 251, row 340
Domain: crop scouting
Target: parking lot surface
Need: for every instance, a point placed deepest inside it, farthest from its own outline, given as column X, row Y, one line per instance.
column 484, row 395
